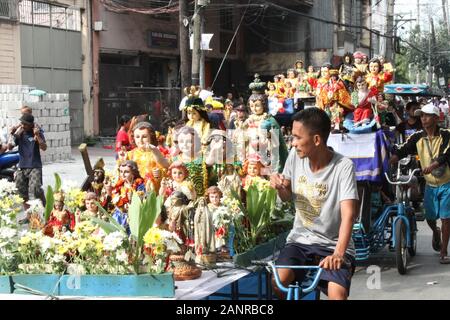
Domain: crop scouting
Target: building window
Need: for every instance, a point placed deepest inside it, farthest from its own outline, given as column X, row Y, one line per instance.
column 226, row 19
column 44, row 14
column 341, row 13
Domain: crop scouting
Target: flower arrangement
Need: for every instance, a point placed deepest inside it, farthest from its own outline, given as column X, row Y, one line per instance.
column 258, row 221
column 74, row 199
column 223, row 220
column 10, row 206
column 158, row 245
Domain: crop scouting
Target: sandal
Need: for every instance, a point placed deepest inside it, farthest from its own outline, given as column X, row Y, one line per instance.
column 444, row 260
column 436, row 242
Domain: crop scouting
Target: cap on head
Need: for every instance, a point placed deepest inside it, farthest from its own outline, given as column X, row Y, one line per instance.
column 27, row 118
column 427, row 109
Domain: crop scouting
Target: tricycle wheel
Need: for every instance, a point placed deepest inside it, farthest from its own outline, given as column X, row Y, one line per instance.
column 401, row 251
column 413, row 235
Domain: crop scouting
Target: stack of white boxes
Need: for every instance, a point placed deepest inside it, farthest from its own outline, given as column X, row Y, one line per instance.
column 51, row 112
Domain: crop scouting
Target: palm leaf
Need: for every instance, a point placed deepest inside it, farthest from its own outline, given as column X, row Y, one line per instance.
column 50, row 200
column 57, row 183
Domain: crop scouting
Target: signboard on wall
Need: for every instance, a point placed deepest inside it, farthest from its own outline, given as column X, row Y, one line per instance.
column 162, row 40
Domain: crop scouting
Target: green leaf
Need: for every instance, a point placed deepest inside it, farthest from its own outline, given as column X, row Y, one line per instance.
column 50, row 200
column 108, row 227
column 57, row 183
column 134, row 215
column 100, row 208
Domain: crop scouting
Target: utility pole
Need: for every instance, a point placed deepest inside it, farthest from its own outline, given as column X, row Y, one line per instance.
column 196, row 50
column 202, row 58
column 444, row 9
column 430, row 69
column 185, row 58
column 418, row 14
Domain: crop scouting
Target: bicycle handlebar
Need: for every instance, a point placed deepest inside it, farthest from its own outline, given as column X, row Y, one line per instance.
column 400, row 182
column 309, row 289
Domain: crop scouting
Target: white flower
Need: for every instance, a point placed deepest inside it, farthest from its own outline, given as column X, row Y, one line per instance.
column 67, row 185
column 113, row 241
column 122, row 256
column 57, row 258
column 7, row 188
column 35, row 206
column 7, row 233
column 23, row 233
column 45, row 243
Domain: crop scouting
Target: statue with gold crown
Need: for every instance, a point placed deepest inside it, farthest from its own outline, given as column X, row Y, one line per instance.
column 197, row 112
column 335, row 99
column 60, row 220
column 263, row 130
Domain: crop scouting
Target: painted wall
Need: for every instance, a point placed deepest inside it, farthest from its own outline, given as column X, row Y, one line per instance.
column 10, row 53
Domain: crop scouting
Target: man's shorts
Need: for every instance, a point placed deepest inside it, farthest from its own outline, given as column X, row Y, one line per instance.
column 302, row 255
column 29, row 183
column 437, row 202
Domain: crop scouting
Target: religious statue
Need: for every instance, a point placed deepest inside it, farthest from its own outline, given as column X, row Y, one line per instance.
column 220, row 153
column 181, row 221
column 150, row 161
column 189, row 152
column 299, row 67
column 92, row 211
column 377, row 77
column 204, row 234
column 178, row 181
column 230, row 181
column 197, row 113
column 121, row 194
column 253, row 170
column 336, row 99
column 360, row 67
column 346, row 70
column 362, row 99
column 60, row 220
column 260, row 120
column 99, row 178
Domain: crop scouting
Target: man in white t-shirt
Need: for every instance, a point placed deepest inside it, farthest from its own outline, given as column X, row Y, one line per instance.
column 322, row 183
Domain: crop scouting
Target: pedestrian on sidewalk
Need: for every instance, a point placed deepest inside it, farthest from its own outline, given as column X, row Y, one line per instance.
column 322, row 184
column 30, row 140
column 432, row 144
column 122, row 139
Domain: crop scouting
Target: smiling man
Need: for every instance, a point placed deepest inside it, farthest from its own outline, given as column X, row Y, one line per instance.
column 432, row 144
column 322, row 184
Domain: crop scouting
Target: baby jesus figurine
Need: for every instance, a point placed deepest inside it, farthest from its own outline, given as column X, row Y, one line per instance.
column 92, row 210
column 61, row 220
column 252, row 170
column 178, row 182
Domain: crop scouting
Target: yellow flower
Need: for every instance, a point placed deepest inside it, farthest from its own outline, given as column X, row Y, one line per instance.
column 159, row 249
column 153, row 236
column 25, row 241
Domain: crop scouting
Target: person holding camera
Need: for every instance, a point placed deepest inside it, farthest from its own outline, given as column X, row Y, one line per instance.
column 432, row 144
column 29, row 138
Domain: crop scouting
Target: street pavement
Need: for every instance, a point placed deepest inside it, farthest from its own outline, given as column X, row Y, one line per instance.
column 426, row 279
column 73, row 169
